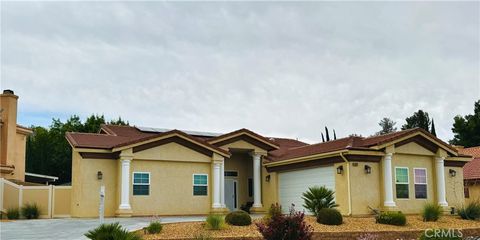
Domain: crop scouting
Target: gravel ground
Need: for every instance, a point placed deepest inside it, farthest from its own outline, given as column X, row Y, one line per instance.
column 367, row 224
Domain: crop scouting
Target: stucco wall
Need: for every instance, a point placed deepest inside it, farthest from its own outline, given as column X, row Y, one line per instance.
column 61, row 201
column 269, row 189
column 341, row 189
column 171, row 188
column 10, row 196
column 39, row 196
column 474, row 193
column 454, row 187
column 20, row 151
column 86, row 186
column 365, row 188
column 172, row 152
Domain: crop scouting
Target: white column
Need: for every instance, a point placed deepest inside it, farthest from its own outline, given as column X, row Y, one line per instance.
column 222, row 185
column 216, row 185
column 257, row 193
column 388, row 181
column 125, row 189
column 440, row 170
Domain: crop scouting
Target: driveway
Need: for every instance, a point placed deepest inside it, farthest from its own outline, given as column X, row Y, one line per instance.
column 71, row 228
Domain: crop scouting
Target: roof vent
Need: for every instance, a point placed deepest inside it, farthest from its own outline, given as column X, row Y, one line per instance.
column 8, row 91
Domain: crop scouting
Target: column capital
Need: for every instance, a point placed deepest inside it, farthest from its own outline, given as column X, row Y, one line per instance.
column 440, row 159
column 389, row 155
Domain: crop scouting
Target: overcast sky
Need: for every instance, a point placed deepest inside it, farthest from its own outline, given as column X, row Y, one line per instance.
column 280, row 69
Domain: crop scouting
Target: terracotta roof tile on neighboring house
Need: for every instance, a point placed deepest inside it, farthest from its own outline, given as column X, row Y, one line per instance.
column 471, row 170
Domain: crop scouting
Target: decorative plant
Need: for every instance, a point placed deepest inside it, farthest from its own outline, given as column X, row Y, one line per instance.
column 329, row 216
column 111, row 231
column 286, row 227
column 431, row 212
column 238, row 218
column 13, row 213
column 154, row 227
column 471, row 211
column 246, row 207
column 392, row 218
column 317, row 198
column 30, row 211
column 215, row 222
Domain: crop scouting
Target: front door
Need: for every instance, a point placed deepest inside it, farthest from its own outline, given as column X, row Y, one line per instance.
column 231, row 193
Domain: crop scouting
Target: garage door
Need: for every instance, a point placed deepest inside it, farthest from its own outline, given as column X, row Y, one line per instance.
column 292, row 184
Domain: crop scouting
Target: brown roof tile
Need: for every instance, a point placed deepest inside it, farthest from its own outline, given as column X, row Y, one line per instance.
column 471, row 170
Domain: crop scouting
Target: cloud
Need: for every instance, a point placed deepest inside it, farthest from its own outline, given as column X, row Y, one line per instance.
column 282, row 69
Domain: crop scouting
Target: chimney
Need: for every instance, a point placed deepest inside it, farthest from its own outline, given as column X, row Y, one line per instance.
column 8, row 126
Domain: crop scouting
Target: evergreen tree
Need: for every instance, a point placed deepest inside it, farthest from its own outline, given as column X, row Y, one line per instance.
column 432, row 131
column 323, row 139
column 334, row 135
column 327, row 135
column 466, row 129
column 419, row 119
column 387, row 125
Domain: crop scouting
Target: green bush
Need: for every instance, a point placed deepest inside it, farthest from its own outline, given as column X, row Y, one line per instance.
column 238, row 218
column 275, row 210
column 431, row 212
column 111, row 231
column 329, row 216
column 30, row 211
column 441, row 234
column 317, row 198
column 471, row 211
column 154, row 227
column 392, row 218
column 13, row 213
column 215, row 222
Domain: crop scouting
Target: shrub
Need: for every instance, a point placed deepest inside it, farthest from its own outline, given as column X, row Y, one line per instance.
column 111, row 231
column 275, row 210
column 329, row 216
column 238, row 218
column 441, row 234
column 289, row 227
column 471, row 211
column 154, row 227
column 392, row 218
column 30, row 211
column 215, row 221
column 317, row 198
column 13, row 213
column 431, row 212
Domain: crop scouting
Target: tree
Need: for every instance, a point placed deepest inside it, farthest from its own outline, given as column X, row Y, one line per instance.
column 432, row 131
column 327, row 135
column 323, row 138
column 387, row 125
column 48, row 152
column 466, row 129
column 334, row 135
column 419, row 119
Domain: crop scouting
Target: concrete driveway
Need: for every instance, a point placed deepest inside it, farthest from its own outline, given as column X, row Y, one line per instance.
column 71, row 228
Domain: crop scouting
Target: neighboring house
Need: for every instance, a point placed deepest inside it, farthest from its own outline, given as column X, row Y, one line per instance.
column 471, row 174
column 12, row 139
column 149, row 171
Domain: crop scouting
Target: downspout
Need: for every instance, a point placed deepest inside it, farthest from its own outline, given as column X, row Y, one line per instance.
column 348, row 186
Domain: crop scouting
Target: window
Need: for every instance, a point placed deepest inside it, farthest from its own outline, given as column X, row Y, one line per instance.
column 231, row 174
column 250, row 187
column 420, row 175
column 200, row 184
column 141, row 183
column 466, row 191
column 401, row 182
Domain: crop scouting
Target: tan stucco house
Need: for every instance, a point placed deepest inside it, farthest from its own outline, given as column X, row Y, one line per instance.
column 149, row 171
column 471, row 174
column 13, row 138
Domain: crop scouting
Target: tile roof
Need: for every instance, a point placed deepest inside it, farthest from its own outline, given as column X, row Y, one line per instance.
column 352, row 142
column 471, row 170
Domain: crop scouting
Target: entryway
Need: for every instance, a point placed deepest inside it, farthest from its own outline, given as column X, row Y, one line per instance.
column 231, row 193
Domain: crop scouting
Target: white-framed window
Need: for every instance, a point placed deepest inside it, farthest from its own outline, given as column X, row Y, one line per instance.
column 401, row 182
column 141, row 183
column 200, row 184
column 420, row 181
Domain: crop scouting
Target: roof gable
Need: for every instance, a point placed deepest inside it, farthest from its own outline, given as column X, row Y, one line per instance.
column 246, row 136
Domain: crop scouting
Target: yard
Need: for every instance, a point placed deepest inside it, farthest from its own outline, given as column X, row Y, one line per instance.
column 353, row 227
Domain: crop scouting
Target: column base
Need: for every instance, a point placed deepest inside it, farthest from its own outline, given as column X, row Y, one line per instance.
column 123, row 213
column 257, row 210
column 389, row 209
column 220, row 210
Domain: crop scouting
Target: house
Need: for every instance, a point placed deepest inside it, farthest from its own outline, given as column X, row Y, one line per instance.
column 471, row 174
column 12, row 139
column 150, row 171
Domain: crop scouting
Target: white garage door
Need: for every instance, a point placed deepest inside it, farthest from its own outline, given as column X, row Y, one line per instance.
column 293, row 184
